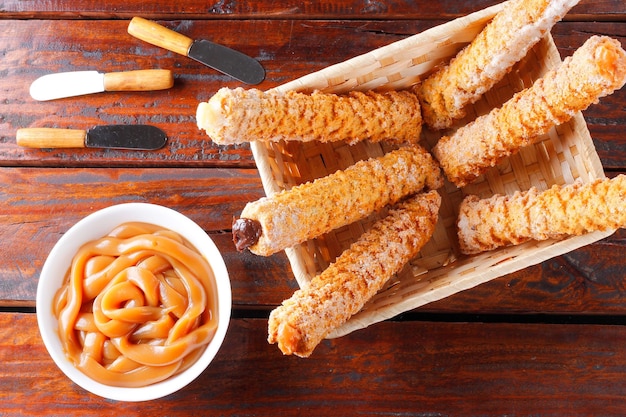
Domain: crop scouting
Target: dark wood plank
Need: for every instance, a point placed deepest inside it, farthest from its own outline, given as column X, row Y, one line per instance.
column 587, row 281
column 34, row 48
column 408, row 368
column 208, row 196
column 227, row 9
column 41, row 204
column 587, row 9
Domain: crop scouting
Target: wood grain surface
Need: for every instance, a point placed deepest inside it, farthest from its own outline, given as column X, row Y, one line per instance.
column 549, row 340
column 417, row 368
column 34, row 48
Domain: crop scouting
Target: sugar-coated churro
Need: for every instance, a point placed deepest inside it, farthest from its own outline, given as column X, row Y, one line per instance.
column 595, row 70
column 271, row 224
column 340, row 291
column 488, row 58
column 239, row 115
column 486, row 224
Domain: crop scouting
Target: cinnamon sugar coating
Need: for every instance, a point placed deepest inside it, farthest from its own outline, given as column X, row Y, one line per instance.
column 571, row 210
column 488, row 58
column 239, row 115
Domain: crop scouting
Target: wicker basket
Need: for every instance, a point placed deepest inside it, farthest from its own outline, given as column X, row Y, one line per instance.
column 564, row 155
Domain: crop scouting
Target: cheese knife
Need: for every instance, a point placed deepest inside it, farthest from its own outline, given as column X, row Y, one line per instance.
column 77, row 83
column 138, row 137
column 221, row 58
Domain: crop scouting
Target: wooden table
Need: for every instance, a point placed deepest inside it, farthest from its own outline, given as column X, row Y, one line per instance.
column 548, row 340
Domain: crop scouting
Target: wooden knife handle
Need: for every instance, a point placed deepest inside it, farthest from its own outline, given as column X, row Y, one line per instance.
column 44, row 137
column 140, row 80
column 153, row 33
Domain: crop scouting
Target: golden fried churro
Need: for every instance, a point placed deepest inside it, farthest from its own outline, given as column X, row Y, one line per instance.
column 532, row 215
column 488, row 58
column 309, row 210
column 340, row 291
column 595, row 70
column 239, row 115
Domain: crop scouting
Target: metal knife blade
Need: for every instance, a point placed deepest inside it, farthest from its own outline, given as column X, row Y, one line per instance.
column 218, row 57
column 77, row 83
column 228, row 61
column 138, row 137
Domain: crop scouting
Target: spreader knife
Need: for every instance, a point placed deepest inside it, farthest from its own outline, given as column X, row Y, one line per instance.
column 139, row 137
column 77, row 83
column 221, row 58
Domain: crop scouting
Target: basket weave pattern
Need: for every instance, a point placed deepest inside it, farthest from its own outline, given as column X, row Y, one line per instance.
column 562, row 156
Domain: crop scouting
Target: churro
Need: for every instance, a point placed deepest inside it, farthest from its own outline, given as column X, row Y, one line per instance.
column 271, row 224
column 488, row 58
column 595, row 70
column 238, row 115
column 340, row 291
column 571, row 210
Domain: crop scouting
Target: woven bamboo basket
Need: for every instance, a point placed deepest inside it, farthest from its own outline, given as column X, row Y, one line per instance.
column 564, row 155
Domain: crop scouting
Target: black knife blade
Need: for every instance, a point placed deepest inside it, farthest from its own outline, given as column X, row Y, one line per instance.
column 230, row 62
column 221, row 58
column 138, row 137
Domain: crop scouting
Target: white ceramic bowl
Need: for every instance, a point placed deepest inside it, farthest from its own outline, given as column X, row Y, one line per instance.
column 94, row 227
